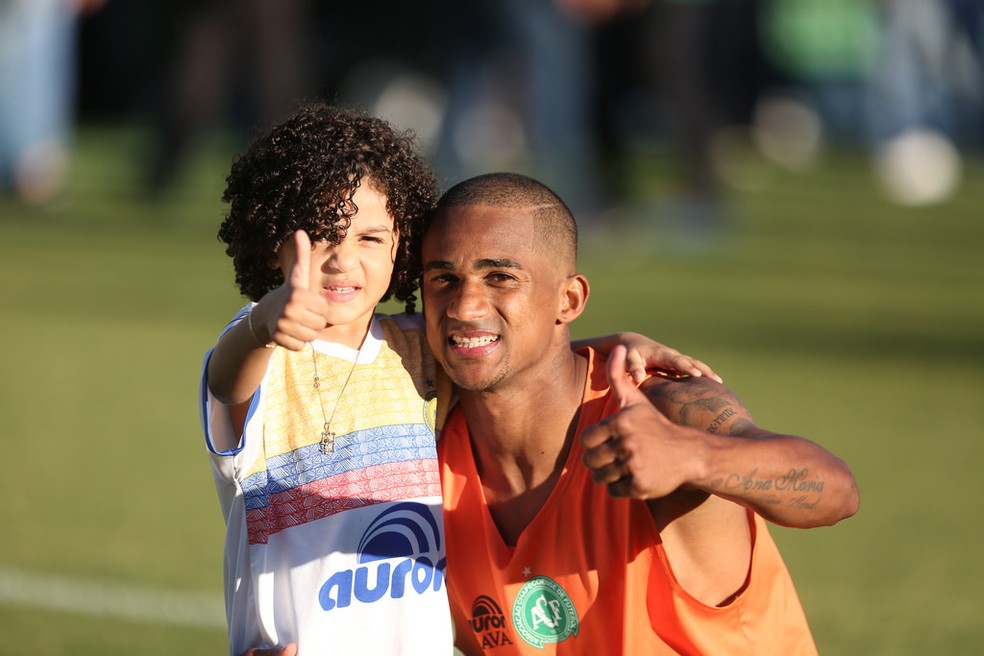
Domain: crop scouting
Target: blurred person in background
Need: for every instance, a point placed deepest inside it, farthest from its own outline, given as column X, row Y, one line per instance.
column 823, row 50
column 927, row 90
column 520, row 82
column 226, row 50
column 37, row 94
column 527, row 80
column 695, row 62
column 928, row 60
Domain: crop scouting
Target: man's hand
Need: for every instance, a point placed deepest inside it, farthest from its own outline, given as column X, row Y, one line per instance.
column 637, row 452
column 292, row 315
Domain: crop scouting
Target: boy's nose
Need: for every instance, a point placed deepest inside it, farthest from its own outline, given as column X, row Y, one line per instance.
column 339, row 257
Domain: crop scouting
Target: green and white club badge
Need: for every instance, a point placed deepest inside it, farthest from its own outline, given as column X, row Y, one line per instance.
column 544, row 613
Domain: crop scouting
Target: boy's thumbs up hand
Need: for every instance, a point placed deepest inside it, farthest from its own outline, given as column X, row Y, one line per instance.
column 637, row 452
column 300, row 271
column 293, row 315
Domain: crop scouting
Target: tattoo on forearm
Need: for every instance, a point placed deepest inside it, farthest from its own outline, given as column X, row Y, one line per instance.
column 748, row 482
column 803, row 503
column 795, row 480
column 720, row 419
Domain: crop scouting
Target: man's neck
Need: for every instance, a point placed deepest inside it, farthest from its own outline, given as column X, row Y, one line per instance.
column 521, row 436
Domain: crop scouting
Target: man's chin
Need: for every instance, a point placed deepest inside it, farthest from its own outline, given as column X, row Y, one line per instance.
column 472, row 381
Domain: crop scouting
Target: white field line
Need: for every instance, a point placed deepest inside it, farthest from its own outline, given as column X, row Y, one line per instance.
column 142, row 604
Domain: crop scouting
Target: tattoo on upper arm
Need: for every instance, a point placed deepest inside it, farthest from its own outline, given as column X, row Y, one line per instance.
column 720, row 419
column 689, row 402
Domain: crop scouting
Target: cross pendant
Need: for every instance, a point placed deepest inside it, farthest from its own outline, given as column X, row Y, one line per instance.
column 327, row 440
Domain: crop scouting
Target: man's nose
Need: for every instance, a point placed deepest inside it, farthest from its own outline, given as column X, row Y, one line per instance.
column 469, row 301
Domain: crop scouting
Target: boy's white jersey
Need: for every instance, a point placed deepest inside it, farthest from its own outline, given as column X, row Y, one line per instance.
column 338, row 549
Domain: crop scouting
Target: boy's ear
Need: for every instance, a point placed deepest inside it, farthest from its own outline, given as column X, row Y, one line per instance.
column 575, row 294
column 274, row 261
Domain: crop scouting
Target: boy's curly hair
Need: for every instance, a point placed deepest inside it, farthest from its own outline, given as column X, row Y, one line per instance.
column 301, row 175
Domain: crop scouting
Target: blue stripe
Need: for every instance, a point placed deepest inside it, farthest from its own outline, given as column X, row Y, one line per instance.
column 357, row 450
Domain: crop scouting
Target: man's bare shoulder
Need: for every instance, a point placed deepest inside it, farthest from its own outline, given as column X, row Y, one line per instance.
column 697, row 402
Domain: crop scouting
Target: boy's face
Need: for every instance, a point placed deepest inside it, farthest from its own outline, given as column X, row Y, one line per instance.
column 353, row 275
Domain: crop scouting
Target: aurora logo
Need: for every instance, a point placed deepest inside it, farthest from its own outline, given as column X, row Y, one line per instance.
column 400, row 553
column 488, row 622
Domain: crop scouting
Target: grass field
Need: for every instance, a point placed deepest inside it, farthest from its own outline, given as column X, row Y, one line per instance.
column 834, row 314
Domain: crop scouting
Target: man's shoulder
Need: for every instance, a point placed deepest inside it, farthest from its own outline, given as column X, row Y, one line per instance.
column 401, row 331
column 403, row 321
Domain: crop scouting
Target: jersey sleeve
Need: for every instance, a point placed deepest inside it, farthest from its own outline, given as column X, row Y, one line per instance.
column 216, row 422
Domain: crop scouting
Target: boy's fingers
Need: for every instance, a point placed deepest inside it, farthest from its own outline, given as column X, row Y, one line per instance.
column 702, row 369
column 300, row 272
column 635, row 365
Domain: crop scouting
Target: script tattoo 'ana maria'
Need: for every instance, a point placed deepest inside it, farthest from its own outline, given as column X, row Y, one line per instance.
column 795, row 480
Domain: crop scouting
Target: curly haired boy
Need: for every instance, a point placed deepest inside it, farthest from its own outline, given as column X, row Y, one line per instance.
column 323, row 449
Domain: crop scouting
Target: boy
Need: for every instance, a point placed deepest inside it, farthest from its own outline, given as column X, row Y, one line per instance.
column 318, row 413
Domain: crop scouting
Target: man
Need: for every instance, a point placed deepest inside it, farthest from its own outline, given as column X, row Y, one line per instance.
column 584, row 515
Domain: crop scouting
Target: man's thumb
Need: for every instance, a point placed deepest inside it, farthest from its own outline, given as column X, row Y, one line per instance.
column 625, row 390
column 300, row 271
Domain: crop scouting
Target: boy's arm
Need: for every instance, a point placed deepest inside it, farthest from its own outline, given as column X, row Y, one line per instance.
column 644, row 353
column 238, row 362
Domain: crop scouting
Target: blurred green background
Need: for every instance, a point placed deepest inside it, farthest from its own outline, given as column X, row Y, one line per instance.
column 834, row 314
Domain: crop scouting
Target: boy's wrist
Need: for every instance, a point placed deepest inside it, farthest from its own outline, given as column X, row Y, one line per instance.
column 252, row 331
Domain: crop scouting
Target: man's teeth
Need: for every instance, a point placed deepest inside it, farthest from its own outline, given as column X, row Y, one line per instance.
column 473, row 342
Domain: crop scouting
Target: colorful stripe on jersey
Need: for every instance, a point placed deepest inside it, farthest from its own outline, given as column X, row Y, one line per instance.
column 389, row 463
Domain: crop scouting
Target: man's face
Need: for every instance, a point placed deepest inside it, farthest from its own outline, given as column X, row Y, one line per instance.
column 490, row 300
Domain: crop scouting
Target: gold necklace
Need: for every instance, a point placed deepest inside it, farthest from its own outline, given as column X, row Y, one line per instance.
column 328, row 435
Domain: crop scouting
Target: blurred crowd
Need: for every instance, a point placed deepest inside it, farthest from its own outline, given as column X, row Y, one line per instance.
column 575, row 92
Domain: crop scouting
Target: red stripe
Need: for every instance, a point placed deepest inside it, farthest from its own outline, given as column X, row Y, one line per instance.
column 353, row 489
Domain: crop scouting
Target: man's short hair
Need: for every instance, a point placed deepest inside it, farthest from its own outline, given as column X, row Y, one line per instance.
column 555, row 228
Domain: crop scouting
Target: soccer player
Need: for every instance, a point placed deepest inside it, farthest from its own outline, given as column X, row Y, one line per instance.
column 585, row 515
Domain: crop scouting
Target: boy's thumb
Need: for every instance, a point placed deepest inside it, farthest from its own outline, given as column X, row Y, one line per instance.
column 300, row 271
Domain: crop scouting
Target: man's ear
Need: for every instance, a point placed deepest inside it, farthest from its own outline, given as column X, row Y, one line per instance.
column 575, row 294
